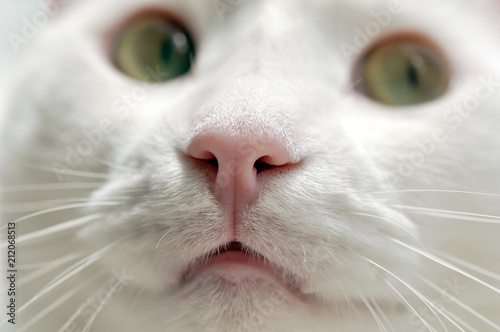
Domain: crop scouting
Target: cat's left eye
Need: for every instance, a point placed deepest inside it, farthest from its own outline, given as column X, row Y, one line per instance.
column 154, row 49
column 404, row 70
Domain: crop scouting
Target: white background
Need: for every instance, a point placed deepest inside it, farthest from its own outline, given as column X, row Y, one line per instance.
column 11, row 21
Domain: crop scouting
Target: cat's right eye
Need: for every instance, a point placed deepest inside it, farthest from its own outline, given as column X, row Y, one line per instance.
column 154, row 49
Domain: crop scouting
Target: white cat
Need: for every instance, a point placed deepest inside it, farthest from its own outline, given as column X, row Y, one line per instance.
column 323, row 165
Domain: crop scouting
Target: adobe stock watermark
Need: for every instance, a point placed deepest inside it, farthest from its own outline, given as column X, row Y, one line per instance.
column 82, row 319
column 268, row 308
column 453, row 118
column 381, row 19
column 225, row 7
column 31, row 27
column 122, row 109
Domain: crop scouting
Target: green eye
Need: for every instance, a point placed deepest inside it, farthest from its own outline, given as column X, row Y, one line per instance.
column 403, row 71
column 153, row 49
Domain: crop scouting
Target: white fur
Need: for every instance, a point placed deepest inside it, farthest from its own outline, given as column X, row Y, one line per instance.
column 273, row 67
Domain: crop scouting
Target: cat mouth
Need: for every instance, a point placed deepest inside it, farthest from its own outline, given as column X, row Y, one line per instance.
column 238, row 263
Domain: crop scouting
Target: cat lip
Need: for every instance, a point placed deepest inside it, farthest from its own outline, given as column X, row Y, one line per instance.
column 237, row 262
column 239, row 254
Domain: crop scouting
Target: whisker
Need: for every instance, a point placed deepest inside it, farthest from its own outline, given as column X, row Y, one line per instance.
column 54, row 304
column 67, row 295
column 82, row 307
column 392, row 222
column 66, row 274
column 459, row 320
column 50, row 186
column 381, row 312
column 163, row 236
column 115, row 166
column 409, row 306
column 468, row 265
column 109, row 294
column 446, row 314
column 457, row 217
column 447, row 264
column 483, row 218
column 374, row 313
column 173, row 319
column 435, row 190
column 341, row 287
column 36, row 205
column 61, row 227
column 412, row 289
column 65, row 207
column 350, row 305
column 460, row 303
column 370, row 308
column 33, row 206
column 83, row 263
column 83, row 174
column 45, row 267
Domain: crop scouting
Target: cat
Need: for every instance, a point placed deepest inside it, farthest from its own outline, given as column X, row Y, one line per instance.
column 323, row 165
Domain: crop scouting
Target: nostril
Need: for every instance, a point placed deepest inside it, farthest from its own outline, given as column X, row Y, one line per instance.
column 213, row 162
column 261, row 166
column 208, row 166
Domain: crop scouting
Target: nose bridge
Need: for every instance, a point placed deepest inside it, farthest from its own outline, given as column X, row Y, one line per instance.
column 276, row 50
column 243, row 111
column 263, row 72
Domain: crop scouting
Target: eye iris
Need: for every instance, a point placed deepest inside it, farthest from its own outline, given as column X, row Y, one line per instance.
column 154, row 49
column 403, row 72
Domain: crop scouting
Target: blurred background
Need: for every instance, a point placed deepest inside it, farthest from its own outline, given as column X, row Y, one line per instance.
column 12, row 13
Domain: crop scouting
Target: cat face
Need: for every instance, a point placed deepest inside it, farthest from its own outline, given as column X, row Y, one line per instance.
column 277, row 173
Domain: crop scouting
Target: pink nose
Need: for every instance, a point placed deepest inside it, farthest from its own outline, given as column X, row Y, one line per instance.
column 239, row 166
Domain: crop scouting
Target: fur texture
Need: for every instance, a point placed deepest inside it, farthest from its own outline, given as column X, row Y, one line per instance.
column 380, row 224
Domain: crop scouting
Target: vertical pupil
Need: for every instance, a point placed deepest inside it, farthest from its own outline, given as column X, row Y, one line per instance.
column 166, row 48
column 412, row 75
